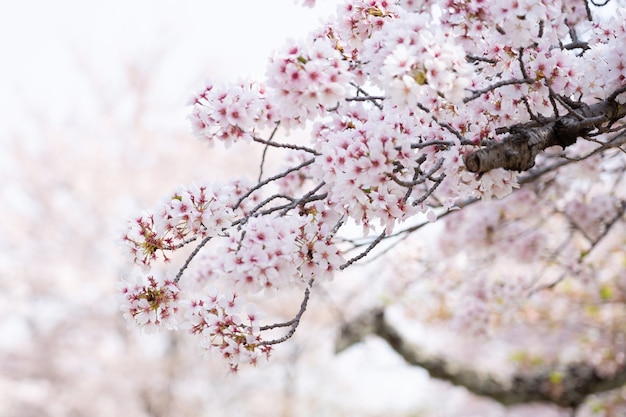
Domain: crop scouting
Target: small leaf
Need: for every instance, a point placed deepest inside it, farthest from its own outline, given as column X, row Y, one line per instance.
column 556, row 377
column 420, row 77
column 375, row 11
column 606, row 292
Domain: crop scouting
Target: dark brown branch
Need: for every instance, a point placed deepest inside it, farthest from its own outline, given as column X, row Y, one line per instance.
column 475, row 58
column 576, row 45
column 565, row 385
column 518, row 151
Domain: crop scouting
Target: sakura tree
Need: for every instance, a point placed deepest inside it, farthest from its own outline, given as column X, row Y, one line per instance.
column 396, row 117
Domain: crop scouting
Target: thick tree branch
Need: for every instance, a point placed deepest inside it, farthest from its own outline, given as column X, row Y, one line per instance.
column 567, row 385
column 517, row 152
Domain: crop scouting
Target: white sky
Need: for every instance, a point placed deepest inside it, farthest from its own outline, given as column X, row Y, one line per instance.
column 44, row 44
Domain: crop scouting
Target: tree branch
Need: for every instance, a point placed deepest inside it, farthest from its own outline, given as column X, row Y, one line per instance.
column 566, row 385
column 293, row 323
column 517, row 152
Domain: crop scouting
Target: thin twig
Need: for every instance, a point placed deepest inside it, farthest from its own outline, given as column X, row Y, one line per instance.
column 363, row 254
column 285, row 145
column 444, row 125
column 474, row 58
column 365, row 98
column 436, row 142
column 266, row 201
column 190, row 257
column 286, row 207
column 305, row 198
column 293, row 323
column 520, row 59
column 437, row 182
column 404, row 234
column 584, row 254
column 422, row 178
column 478, row 93
column 366, row 94
column 267, row 145
column 274, row 178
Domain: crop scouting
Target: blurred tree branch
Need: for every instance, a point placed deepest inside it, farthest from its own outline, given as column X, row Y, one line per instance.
column 567, row 385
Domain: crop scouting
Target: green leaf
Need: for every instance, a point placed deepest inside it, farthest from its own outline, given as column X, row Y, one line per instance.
column 606, row 292
column 420, row 77
column 556, row 377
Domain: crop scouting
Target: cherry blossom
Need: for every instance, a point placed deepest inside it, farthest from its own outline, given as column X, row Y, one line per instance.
column 219, row 320
column 230, row 113
column 151, row 302
column 304, row 81
column 190, row 213
column 399, row 105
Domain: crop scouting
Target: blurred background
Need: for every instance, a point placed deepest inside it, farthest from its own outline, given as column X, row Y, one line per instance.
column 92, row 131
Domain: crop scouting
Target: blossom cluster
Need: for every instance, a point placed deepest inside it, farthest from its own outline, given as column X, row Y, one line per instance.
column 271, row 254
column 151, row 302
column 365, row 164
column 399, row 93
column 358, row 20
column 249, row 253
column 188, row 213
column 508, row 24
column 305, row 80
column 605, row 61
column 419, row 63
column 230, row 113
column 220, row 321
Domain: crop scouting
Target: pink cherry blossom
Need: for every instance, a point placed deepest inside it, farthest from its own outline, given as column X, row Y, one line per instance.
column 230, row 113
column 400, row 105
column 151, row 302
column 304, row 81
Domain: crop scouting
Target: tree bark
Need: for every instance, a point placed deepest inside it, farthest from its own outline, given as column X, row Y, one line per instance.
column 517, row 152
column 567, row 385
